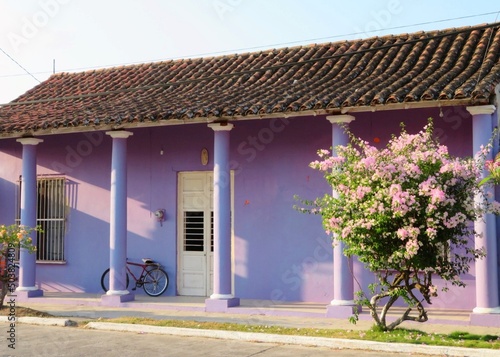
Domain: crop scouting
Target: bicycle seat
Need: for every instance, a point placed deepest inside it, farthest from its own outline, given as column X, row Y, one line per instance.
column 148, row 261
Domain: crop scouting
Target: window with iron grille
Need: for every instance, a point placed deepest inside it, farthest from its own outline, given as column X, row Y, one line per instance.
column 51, row 217
column 194, row 231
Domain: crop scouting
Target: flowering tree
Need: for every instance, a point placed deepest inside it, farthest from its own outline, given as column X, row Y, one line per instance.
column 493, row 166
column 11, row 238
column 405, row 211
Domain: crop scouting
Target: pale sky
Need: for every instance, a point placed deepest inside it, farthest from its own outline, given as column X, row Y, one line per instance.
column 88, row 34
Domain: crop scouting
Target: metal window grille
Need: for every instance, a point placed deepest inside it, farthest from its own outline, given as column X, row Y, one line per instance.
column 51, row 217
column 194, row 233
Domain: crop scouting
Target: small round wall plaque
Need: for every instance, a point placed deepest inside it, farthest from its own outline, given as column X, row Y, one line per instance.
column 204, row 156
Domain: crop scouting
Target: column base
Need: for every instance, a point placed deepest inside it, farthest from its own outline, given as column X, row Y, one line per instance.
column 338, row 310
column 116, row 300
column 23, row 295
column 491, row 319
column 221, row 305
column 486, row 310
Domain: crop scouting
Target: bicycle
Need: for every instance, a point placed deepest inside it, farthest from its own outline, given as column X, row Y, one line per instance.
column 153, row 279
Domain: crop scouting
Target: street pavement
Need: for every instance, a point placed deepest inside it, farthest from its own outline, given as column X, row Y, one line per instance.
column 53, row 341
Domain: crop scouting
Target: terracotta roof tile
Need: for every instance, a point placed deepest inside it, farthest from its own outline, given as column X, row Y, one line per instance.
column 453, row 65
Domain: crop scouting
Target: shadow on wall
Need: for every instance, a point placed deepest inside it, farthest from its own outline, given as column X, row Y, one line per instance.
column 282, row 255
column 87, row 251
column 7, row 201
column 10, row 169
column 85, row 161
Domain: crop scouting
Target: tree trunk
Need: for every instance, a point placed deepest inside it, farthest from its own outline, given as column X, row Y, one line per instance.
column 3, row 292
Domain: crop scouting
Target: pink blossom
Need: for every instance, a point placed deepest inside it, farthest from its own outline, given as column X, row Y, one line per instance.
column 394, row 188
column 334, row 222
column 402, row 233
column 346, row 231
column 495, row 207
column 368, row 162
column 408, row 232
column 328, row 163
column 362, row 191
column 411, row 248
column 426, row 186
column 431, row 232
column 315, row 165
column 414, row 169
column 455, row 220
column 437, row 195
column 432, row 290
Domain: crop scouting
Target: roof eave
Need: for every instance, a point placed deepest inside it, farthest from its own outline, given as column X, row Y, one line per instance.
column 415, row 105
column 205, row 120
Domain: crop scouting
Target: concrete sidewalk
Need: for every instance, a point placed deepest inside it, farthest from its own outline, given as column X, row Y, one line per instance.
column 82, row 312
column 288, row 314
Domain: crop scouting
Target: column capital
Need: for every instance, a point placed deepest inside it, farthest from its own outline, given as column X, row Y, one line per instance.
column 481, row 109
column 119, row 134
column 221, row 126
column 29, row 141
column 339, row 119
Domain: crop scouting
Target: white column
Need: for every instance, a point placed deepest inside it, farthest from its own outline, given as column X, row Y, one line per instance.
column 222, row 298
column 343, row 303
column 487, row 299
column 29, row 198
column 118, row 292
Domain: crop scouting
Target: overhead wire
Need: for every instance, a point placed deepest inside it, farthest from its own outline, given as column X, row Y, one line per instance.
column 269, row 46
column 20, row 65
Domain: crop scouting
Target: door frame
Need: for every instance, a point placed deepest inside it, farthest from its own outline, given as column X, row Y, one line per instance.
column 180, row 230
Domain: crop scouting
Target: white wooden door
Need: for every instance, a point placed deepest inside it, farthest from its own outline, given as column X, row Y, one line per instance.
column 195, row 239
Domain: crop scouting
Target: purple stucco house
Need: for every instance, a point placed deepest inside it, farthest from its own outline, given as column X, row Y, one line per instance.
column 220, row 146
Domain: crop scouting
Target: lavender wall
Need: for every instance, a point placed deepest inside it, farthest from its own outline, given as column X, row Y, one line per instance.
column 280, row 254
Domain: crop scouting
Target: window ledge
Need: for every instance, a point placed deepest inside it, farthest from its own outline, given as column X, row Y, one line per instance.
column 51, row 262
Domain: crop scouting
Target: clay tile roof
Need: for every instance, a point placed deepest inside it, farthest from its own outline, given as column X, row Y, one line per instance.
column 455, row 65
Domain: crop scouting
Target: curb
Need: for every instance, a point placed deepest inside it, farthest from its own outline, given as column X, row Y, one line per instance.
column 46, row 321
column 333, row 343
column 297, row 340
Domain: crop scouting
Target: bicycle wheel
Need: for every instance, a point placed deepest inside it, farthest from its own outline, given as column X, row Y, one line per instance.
column 105, row 281
column 155, row 282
